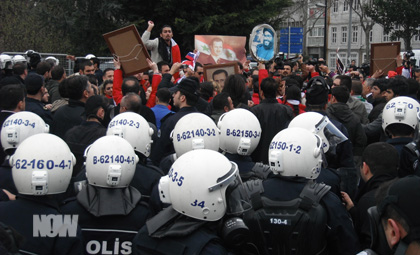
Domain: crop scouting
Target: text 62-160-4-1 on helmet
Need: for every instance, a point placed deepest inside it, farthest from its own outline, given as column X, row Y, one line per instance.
column 195, row 131
column 19, row 126
column 42, row 165
column 296, row 152
column 203, row 184
column 110, row 162
column 240, row 132
column 402, row 110
column 133, row 128
column 320, row 125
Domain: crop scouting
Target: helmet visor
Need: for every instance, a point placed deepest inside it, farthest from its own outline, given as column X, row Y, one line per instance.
column 331, row 132
column 236, row 196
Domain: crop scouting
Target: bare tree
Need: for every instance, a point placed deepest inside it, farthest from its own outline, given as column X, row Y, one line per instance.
column 360, row 7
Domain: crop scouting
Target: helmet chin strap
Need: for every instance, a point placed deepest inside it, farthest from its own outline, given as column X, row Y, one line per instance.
column 401, row 247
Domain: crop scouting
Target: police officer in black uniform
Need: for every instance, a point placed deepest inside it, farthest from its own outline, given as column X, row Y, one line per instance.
column 16, row 128
column 291, row 213
column 238, row 139
column 198, row 187
column 137, row 131
column 110, row 211
column 185, row 97
column 40, row 173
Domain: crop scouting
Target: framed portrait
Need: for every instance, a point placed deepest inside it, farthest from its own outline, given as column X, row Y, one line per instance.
column 218, row 49
column 126, row 44
column 229, row 68
column 263, row 43
column 383, row 56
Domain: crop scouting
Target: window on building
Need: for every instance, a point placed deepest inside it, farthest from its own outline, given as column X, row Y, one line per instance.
column 356, row 4
column 386, row 37
column 343, row 34
column 332, row 59
column 355, row 57
column 317, row 32
column 355, row 34
column 417, row 37
column 335, row 6
column 334, row 35
column 370, row 35
column 346, row 6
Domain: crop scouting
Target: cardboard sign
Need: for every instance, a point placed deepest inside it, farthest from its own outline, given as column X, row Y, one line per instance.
column 126, row 44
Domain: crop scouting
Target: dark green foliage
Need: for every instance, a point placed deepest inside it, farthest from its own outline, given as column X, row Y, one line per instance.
column 76, row 27
column 392, row 14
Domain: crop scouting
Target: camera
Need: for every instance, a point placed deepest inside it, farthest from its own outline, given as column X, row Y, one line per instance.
column 235, row 232
column 279, row 61
column 409, row 54
column 183, row 66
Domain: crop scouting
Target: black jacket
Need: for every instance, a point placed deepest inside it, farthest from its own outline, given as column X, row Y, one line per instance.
column 365, row 199
column 342, row 113
column 164, row 145
column 378, row 106
column 273, row 118
column 78, row 138
column 20, row 215
column 37, row 107
column 66, row 117
column 3, row 116
column 341, row 236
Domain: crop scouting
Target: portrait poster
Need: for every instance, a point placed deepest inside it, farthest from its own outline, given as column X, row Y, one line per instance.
column 383, row 56
column 229, row 68
column 218, row 49
column 126, row 44
column 263, row 43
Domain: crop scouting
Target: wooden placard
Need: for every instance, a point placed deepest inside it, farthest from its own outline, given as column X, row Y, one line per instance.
column 126, row 43
column 383, row 57
column 230, row 68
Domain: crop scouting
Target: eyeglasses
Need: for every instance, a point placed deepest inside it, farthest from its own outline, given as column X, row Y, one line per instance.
column 200, row 73
column 109, row 88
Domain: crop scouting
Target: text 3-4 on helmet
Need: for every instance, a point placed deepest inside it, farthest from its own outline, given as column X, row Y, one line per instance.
column 42, row 165
column 240, row 132
column 19, row 126
column 402, row 110
column 296, row 152
column 320, row 125
column 133, row 128
column 195, row 131
column 110, row 162
column 203, row 184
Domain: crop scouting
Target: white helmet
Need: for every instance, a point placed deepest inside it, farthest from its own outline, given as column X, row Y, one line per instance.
column 42, row 165
column 56, row 61
column 133, row 128
column 320, row 125
column 240, row 132
column 402, row 110
column 19, row 126
column 296, row 152
column 6, row 61
column 203, row 184
column 195, row 131
column 110, row 162
column 90, row 56
column 18, row 59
